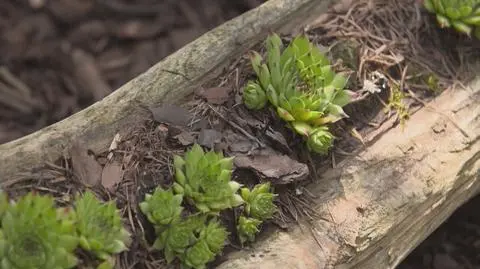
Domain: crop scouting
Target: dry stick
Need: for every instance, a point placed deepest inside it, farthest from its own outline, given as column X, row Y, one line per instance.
column 240, row 129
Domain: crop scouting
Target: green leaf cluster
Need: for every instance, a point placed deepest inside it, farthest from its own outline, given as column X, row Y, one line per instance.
column 192, row 239
column 36, row 234
column 299, row 82
column 203, row 185
column 100, row 228
column 205, row 179
column 462, row 15
column 259, row 206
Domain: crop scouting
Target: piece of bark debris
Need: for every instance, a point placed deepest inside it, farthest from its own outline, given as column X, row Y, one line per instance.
column 274, row 167
column 185, row 138
column 215, row 95
column 171, row 114
column 111, row 175
column 209, row 137
column 278, row 139
column 85, row 165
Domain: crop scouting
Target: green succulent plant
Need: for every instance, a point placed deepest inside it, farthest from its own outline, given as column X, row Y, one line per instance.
column 300, row 83
column 210, row 243
column 175, row 238
column 100, row 228
column 259, row 201
column 162, row 207
column 247, row 228
column 320, row 140
column 254, row 96
column 462, row 15
column 205, row 179
column 35, row 234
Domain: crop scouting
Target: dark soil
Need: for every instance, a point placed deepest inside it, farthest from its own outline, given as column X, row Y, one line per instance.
column 61, row 56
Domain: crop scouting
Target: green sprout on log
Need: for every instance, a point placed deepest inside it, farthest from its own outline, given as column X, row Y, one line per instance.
column 34, row 234
column 462, row 15
column 247, row 229
column 299, row 83
column 100, row 228
column 259, row 201
column 205, row 179
column 259, row 207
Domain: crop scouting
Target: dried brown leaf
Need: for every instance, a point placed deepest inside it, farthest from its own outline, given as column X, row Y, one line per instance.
column 111, row 175
column 185, row 138
column 85, row 165
column 216, row 95
column 171, row 114
column 208, row 137
column 272, row 166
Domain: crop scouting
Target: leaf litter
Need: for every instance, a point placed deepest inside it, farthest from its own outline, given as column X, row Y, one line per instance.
column 263, row 145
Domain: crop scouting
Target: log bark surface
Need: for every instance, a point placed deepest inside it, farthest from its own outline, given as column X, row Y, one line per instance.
column 377, row 207
column 169, row 81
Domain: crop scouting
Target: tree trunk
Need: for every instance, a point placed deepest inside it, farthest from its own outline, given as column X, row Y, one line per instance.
column 169, row 81
column 377, row 207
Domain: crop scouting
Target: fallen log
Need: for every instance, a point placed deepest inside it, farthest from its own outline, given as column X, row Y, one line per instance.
column 375, row 208
column 169, row 81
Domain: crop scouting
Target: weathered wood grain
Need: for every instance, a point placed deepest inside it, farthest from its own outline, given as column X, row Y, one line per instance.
column 377, row 207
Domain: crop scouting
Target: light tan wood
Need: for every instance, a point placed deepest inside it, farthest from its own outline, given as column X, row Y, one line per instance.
column 167, row 82
column 377, row 207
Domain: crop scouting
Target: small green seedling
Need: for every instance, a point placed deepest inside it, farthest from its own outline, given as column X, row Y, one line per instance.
column 259, row 207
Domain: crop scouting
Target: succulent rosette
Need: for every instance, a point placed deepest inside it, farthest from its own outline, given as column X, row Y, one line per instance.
column 320, row 140
column 178, row 236
column 210, row 243
column 247, row 228
column 205, row 178
column 300, row 84
column 100, row 228
column 254, row 96
column 35, row 234
column 462, row 15
column 162, row 207
column 259, row 201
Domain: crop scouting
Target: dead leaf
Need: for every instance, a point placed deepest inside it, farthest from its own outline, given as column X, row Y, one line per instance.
column 111, row 175
column 185, row 138
column 85, row 165
column 270, row 165
column 208, row 137
column 216, row 95
column 171, row 114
